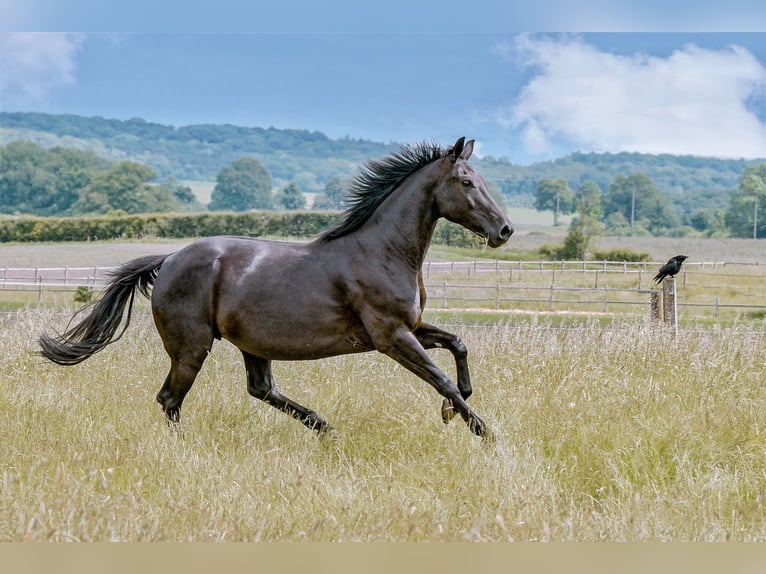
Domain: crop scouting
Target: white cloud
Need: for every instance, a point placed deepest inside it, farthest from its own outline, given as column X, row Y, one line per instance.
column 34, row 65
column 695, row 101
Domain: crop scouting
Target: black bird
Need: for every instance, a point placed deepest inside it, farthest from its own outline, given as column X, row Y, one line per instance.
column 670, row 268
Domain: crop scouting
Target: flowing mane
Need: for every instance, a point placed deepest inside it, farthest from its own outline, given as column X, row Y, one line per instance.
column 377, row 179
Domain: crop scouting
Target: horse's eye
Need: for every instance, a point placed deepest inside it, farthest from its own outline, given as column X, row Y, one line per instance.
column 467, row 183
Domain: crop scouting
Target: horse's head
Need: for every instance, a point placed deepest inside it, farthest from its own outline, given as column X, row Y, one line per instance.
column 463, row 198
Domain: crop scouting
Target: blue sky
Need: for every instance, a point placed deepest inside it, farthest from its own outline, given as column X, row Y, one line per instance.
column 362, row 69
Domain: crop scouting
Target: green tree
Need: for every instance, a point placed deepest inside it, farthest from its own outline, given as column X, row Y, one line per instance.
column 291, row 197
column 40, row 181
column 711, row 222
column 554, row 195
column 586, row 226
column 641, row 203
column 745, row 216
column 244, row 184
column 74, row 170
column 334, row 195
column 182, row 194
column 126, row 187
column 23, row 179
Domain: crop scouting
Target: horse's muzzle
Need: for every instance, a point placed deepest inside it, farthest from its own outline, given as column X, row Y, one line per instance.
column 501, row 236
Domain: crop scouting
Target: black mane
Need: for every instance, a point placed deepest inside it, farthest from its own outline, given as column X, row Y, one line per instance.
column 377, row 179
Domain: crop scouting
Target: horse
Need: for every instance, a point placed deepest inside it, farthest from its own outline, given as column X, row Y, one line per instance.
column 357, row 287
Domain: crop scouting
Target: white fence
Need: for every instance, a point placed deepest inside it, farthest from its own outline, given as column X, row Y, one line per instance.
column 483, row 284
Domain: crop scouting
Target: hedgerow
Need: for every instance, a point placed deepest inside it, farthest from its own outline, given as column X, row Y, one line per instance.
column 251, row 224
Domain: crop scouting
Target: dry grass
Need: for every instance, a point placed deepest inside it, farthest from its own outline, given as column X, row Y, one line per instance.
column 618, row 433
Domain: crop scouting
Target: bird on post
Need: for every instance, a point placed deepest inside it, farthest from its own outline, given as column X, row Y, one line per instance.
column 671, row 268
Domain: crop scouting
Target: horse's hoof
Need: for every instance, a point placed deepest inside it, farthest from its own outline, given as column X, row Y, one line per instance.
column 448, row 411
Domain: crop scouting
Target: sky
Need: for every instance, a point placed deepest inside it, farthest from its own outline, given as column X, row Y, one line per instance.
column 401, row 73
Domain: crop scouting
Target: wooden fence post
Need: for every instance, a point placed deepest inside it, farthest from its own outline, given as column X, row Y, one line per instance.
column 655, row 300
column 671, row 305
column 668, row 295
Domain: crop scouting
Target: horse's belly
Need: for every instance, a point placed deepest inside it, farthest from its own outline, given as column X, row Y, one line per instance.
column 281, row 330
column 300, row 343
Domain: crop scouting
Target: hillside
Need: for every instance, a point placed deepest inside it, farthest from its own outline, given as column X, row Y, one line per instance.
column 197, row 152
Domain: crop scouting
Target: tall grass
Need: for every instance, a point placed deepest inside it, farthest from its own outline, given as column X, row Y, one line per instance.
column 603, row 433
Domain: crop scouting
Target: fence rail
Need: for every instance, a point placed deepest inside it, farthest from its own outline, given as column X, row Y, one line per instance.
column 49, row 276
column 477, row 285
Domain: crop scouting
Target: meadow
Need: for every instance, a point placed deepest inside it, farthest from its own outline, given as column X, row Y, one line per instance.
column 618, row 433
column 605, row 431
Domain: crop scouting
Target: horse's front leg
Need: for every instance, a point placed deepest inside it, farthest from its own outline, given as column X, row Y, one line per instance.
column 432, row 337
column 404, row 347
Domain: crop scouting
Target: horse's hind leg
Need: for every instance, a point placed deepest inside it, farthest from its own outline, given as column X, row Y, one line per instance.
column 260, row 384
column 178, row 382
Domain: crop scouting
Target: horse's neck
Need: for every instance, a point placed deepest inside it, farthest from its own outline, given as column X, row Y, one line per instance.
column 404, row 223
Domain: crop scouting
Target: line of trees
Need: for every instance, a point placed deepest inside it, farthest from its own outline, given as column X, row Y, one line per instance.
column 632, row 205
column 70, row 182
column 65, row 181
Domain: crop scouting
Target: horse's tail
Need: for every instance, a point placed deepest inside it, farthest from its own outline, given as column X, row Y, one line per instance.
column 100, row 327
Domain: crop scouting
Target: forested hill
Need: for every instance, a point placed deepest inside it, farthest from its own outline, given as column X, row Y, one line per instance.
column 198, row 152
column 702, row 181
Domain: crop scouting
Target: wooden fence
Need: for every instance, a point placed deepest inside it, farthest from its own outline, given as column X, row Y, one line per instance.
column 540, row 286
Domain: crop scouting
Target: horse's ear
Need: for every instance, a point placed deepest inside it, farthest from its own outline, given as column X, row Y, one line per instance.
column 457, row 149
column 467, row 150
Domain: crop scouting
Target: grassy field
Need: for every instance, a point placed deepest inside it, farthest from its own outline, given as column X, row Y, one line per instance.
column 618, row 433
column 607, row 429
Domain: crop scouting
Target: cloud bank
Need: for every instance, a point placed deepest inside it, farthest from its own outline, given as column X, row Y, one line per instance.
column 34, row 65
column 695, row 101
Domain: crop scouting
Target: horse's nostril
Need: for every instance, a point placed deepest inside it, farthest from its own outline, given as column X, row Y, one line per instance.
column 506, row 231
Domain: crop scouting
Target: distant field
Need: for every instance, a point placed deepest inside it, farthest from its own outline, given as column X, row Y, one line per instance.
column 201, row 189
column 526, row 216
column 527, row 237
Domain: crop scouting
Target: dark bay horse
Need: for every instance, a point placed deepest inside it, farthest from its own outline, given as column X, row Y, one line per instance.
column 355, row 288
